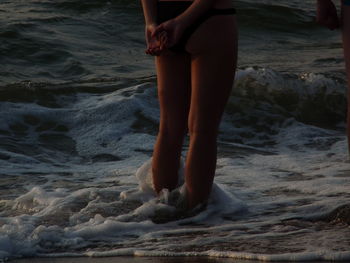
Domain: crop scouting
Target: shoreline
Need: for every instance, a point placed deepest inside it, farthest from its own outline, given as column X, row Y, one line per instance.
column 130, row 259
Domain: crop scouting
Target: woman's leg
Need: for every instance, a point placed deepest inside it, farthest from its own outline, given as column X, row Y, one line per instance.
column 174, row 92
column 213, row 49
column 346, row 44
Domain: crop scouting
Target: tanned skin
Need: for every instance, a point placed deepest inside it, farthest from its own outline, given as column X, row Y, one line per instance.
column 193, row 89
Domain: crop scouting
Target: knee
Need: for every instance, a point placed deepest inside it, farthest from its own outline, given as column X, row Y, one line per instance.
column 172, row 131
column 203, row 135
column 204, row 129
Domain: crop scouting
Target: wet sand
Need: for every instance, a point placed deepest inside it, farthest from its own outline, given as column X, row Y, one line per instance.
column 128, row 260
column 140, row 260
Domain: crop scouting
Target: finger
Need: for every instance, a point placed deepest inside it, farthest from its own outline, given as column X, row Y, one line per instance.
column 154, row 51
column 149, row 52
column 162, row 47
column 164, row 36
column 158, row 30
column 167, row 43
column 161, row 37
column 163, row 41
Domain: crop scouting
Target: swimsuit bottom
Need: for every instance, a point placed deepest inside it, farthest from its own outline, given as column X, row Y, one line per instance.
column 167, row 10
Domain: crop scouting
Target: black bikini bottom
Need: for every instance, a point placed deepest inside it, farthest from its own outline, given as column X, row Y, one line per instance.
column 170, row 9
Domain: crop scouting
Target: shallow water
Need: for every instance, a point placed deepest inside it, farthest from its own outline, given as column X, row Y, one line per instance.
column 79, row 116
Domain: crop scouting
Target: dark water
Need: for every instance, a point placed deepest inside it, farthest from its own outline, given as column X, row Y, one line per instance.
column 59, row 41
column 79, row 116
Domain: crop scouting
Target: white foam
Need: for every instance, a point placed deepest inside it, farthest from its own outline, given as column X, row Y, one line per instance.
column 248, row 178
column 144, row 177
column 108, row 228
column 269, row 80
column 108, row 119
column 102, row 204
column 285, row 257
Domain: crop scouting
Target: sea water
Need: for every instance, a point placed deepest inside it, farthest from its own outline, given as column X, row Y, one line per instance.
column 79, row 117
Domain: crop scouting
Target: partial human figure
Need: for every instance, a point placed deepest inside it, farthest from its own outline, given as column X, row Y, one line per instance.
column 327, row 16
column 195, row 43
column 345, row 22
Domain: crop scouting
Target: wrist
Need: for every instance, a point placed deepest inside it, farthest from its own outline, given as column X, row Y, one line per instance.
column 151, row 24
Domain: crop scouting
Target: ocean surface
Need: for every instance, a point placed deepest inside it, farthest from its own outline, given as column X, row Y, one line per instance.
column 79, row 116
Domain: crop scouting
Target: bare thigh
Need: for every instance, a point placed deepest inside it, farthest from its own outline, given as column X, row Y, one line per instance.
column 174, row 87
column 213, row 49
column 174, row 90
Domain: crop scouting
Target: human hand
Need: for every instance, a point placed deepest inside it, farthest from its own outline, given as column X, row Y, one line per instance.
column 174, row 30
column 155, row 42
column 327, row 14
